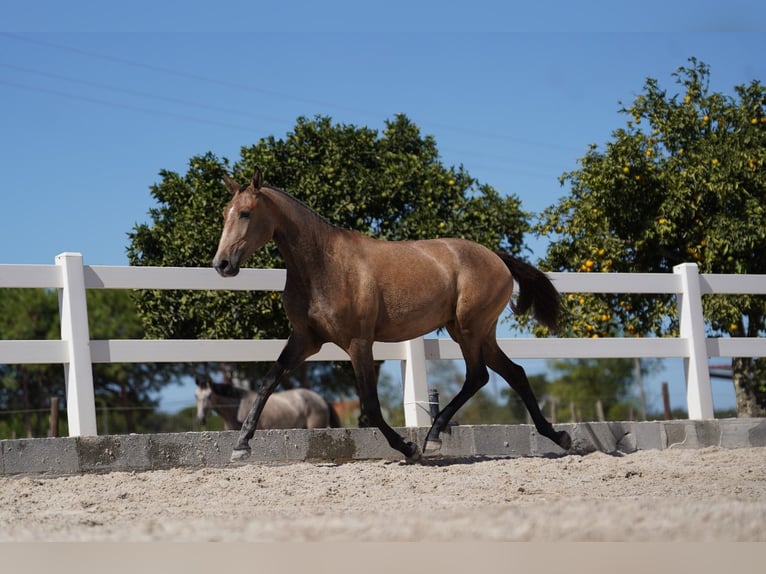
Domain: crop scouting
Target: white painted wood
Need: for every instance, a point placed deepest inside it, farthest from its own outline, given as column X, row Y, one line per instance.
column 231, row 350
column 78, row 371
column 732, row 284
column 528, row 348
column 736, row 347
column 615, row 282
column 195, row 278
column 40, row 276
column 33, row 352
column 416, row 407
column 699, row 394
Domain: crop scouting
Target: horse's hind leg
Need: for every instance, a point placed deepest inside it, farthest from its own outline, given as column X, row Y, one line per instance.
column 515, row 376
column 476, row 377
column 298, row 348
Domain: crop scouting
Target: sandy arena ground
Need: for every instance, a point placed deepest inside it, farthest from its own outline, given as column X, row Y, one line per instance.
column 711, row 494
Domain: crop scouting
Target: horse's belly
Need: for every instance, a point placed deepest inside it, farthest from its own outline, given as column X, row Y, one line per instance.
column 425, row 302
column 411, row 321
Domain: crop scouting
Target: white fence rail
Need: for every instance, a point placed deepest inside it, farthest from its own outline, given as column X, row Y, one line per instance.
column 77, row 352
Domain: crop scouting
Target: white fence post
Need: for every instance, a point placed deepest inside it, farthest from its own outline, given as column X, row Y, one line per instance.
column 699, row 395
column 78, row 372
column 416, row 407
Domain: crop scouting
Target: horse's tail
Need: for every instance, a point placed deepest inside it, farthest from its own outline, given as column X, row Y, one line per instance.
column 535, row 291
column 333, row 419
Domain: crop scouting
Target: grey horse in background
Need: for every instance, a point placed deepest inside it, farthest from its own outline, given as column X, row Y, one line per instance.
column 291, row 409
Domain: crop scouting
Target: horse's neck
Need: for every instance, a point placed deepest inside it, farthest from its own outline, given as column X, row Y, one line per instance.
column 228, row 409
column 302, row 235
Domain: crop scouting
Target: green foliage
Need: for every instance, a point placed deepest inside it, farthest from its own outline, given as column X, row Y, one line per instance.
column 184, row 420
column 390, row 185
column 684, row 180
column 123, row 392
column 26, row 390
column 585, row 381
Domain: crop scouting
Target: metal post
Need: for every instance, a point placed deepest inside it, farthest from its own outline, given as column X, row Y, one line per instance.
column 78, row 372
column 54, row 418
column 666, row 402
column 433, row 403
column 699, row 395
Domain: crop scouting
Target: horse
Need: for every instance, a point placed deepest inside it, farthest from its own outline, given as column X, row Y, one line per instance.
column 291, row 409
column 350, row 289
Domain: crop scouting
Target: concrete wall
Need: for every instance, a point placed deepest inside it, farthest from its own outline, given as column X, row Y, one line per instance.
column 197, row 449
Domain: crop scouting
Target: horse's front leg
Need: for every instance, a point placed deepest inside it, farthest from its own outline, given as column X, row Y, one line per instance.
column 242, row 449
column 360, row 352
column 297, row 350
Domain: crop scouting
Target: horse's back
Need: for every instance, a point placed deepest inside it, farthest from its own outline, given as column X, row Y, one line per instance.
column 316, row 409
column 294, row 409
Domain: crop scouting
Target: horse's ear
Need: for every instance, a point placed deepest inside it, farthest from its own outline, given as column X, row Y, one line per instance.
column 231, row 185
column 257, row 179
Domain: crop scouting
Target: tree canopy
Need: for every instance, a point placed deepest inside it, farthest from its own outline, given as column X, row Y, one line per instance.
column 684, row 180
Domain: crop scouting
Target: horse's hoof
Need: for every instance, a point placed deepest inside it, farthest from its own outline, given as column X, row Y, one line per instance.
column 240, row 454
column 414, row 455
column 432, row 446
column 564, row 440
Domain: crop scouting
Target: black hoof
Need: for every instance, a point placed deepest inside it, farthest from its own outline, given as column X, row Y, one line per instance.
column 239, row 454
column 432, row 446
column 563, row 440
column 412, row 453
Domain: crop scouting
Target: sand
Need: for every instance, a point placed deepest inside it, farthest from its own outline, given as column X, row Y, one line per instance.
column 711, row 494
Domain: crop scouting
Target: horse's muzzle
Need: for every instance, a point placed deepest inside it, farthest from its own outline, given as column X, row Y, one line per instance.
column 225, row 267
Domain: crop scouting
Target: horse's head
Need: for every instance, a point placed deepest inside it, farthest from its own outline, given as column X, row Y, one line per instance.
column 247, row 225
column 203, row 395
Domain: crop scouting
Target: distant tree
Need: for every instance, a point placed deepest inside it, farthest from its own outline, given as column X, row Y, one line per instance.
column 583, row 382
column 124, row 393
column 390, row 185
column 127, row 392
column 184, row 420
column 684, row 180
column 26, row 390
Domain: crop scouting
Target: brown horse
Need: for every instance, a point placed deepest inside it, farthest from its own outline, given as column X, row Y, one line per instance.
column 291, row 409
column 350, row 289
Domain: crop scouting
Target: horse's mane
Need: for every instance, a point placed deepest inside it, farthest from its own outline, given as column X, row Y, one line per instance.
column 301, row 204
column 225, row 390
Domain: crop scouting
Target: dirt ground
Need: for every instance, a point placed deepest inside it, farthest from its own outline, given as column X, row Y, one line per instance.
column 711, row 494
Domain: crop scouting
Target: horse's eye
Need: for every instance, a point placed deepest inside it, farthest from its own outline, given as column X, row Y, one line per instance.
column 244, row 214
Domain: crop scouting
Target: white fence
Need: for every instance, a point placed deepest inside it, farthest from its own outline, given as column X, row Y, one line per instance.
column 77, row 352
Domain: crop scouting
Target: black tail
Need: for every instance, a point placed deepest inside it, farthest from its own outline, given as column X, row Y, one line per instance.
column 535, row 291
column 334, row 420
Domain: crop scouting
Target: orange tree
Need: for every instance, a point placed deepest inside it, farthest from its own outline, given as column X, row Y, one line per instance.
column 684, row 180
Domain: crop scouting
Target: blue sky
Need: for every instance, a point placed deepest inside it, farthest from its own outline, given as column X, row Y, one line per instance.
column 93, row 106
